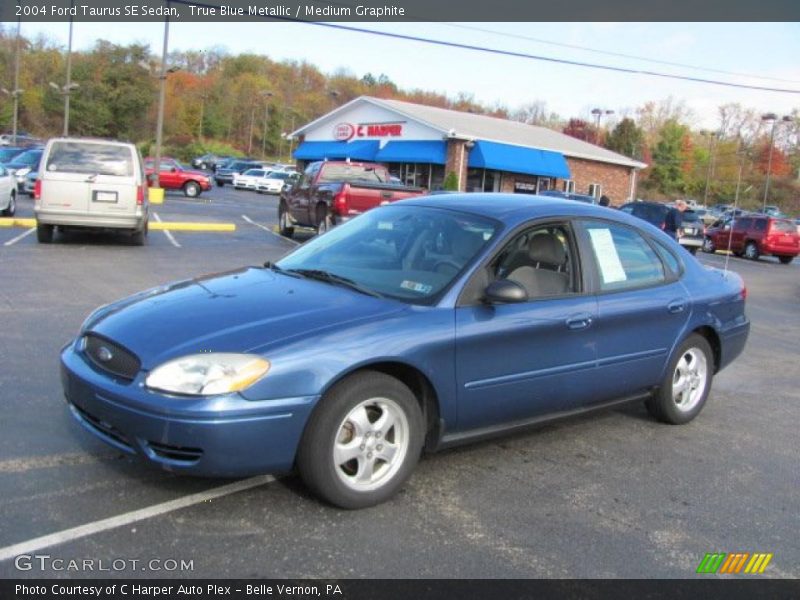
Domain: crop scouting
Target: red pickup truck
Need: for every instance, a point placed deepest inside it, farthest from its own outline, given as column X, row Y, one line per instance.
column 331, row 192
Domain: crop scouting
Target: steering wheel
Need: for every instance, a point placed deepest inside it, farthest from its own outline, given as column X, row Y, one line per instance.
column 447, row 264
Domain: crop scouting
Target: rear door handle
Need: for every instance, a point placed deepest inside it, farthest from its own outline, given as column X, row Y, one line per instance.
column 676, row 306
column 579, row 321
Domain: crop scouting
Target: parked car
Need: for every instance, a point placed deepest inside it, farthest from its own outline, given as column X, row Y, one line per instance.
column 772, row 211
column 23, row 140
column 331, row 192
column 222, row 161
column 88, row 183
column 691, row 233
column 225, row 174
column 8, row 153
column 205, row 162
column 174, row 176
column 249, row 179
column 275, row 181
column 569, row 196
column 24, row 163
column 418, row 325
column 8, row 193
column 753, row 236
column 29, row 186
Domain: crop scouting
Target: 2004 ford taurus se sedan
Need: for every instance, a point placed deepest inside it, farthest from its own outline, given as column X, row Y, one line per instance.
column 422, row 324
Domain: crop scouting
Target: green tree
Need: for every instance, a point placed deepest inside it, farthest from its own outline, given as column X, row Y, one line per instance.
column 626, row 138
column 451, row 182
column 667, row 175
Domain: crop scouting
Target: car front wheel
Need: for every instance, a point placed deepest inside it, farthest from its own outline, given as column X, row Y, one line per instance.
column 191, row 189
column 686, row 385
column 362, row 441
column 12, row 205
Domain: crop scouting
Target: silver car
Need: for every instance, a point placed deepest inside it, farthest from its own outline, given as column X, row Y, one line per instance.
column 90, row 183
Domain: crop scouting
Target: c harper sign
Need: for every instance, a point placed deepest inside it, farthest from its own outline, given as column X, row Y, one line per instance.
column 347, row 131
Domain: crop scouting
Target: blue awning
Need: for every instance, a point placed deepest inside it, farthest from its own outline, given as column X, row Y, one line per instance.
column 432, row 151
column 358, row 150
column 517, row 159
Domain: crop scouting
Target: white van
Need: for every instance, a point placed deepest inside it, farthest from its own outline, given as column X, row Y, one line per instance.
column 90, row 183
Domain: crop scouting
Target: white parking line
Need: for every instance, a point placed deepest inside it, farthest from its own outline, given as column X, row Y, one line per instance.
column 167, row 232
column 268, row 230
column 81, row 531
column 19, row 237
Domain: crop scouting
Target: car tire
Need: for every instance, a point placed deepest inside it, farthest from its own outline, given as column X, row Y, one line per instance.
column 362, row 441
column 191, row 189
column 751, row 251
column 708, row 246
column 687, row 382
column 785, row 260
column 11, row 209
column 140, row 237
column 692, row 250
column 284, row 222
column 220, row 183
column 44, row 233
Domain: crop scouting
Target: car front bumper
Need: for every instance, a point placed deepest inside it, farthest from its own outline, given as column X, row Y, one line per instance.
column 218, row 436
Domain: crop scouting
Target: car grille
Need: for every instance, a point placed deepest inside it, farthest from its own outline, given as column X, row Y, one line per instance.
column 175, row 453
column 102, row 427
column 111, row 357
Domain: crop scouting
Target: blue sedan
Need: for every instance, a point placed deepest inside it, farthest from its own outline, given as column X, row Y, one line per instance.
column 419, row 325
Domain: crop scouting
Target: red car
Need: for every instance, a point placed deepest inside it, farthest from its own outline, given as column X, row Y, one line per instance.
column 174, row 176
column 755, row 235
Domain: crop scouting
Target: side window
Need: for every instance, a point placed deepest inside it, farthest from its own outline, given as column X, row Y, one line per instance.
column 669, row 259
column 541, row 260
column 623, row 258
column 761, row 224
column 628, row 208
column 742, row 224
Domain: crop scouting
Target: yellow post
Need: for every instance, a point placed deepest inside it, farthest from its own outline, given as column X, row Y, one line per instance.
column 155, row 195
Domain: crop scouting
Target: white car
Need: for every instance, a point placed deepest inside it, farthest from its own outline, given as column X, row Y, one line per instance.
column 274, row 181
column 249, row 179
column 8, row 193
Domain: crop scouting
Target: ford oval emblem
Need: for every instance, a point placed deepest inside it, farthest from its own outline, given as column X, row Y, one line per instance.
column 104, row 354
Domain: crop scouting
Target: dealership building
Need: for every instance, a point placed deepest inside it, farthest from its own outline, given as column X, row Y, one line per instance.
column 422, row 144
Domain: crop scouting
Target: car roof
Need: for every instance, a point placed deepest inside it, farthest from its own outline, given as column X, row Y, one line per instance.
column 516, row 208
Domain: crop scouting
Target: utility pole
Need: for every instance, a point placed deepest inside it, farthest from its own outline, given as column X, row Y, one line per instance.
column 16, row 92
column 68, row 85
column 162, row 79
column 267, row 96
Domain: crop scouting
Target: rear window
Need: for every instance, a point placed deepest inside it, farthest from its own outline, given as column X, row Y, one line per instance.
column 354, row 173
column 92, row 159
column 254, row 173
column 783, row 226
column 690, row 216
column 651, row 213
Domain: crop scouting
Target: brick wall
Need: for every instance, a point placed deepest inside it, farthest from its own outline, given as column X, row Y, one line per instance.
column 615, row 179
column 457, row 158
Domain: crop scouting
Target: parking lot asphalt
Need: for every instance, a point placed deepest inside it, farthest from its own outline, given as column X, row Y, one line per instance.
column 614, row 494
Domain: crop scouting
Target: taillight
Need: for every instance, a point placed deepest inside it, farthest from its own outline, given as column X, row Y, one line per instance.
column 340, row 202
column 140, row 195
column 37, row 189
column 744, row 292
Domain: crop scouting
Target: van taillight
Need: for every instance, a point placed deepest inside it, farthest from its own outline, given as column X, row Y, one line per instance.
column 140, row 195
column 37, row 189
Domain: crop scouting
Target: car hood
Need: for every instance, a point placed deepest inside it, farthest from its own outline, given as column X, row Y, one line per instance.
column 241, row 311
column 194, row 173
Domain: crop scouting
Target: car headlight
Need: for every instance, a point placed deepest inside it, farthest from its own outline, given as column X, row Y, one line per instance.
column 208, row 374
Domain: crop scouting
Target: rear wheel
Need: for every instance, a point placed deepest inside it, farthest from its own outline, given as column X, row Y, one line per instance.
column 708, row 245
column 284, row 222
column 686, row 385
column 785, row 260
column 362, row 441
column 220, row 183
column 191, row 189
column 692, row 250
column 751, row 251
column 12, row 205
column 139, row 237
column 44, row 233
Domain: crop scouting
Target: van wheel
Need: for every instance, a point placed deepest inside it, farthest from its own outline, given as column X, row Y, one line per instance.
column 708, row 245
column 751, row 251
column 12, row 205
column 362, row 441
column 284, row 222
column 139, row 237
column 44, row 233
column 191, row 189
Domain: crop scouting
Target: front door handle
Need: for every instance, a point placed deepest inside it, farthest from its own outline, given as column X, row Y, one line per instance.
column 676, row 306
column 579, row 321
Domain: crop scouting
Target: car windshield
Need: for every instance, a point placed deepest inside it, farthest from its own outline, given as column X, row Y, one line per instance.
column 30, row 158
column 90, row 158
column 353, row 173
column 6, row 154
column 254, row 173
column 408, row 253
column 278, row 175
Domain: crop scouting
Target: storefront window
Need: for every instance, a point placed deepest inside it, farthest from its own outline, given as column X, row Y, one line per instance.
column 483, row 180
column 430, row 177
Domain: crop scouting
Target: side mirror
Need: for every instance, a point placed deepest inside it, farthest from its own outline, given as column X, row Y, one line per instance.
column 504, row 291
column 174, row 169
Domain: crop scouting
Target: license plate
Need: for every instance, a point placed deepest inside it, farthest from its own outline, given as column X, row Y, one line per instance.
column 689, row 231
column 105, row 196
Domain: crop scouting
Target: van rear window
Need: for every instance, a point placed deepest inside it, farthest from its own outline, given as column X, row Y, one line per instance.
column 91, row 159
column 783, row 226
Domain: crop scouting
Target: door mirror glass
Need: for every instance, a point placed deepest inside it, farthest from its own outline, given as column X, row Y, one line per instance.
column 505, row 291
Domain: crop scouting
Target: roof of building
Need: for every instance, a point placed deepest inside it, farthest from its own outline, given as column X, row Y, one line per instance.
column 456, row 124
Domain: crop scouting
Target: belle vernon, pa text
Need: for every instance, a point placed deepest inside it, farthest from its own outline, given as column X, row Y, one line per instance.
column 134, row 589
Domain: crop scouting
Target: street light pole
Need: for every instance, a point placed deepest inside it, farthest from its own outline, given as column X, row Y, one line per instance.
column 16, row 91
column 267, row 96
column 68, row 85
column 162, row 77
column 774, row 118
column 599, row 112
column 712, row 137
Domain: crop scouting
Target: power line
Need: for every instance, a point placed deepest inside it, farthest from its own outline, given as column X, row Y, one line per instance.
column 497, row 51
column 617, row 54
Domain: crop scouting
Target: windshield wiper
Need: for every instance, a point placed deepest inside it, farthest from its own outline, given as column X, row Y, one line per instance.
column 329, row 277
column 273, row 267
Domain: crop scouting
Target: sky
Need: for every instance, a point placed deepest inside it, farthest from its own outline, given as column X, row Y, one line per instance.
column 754, row 51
